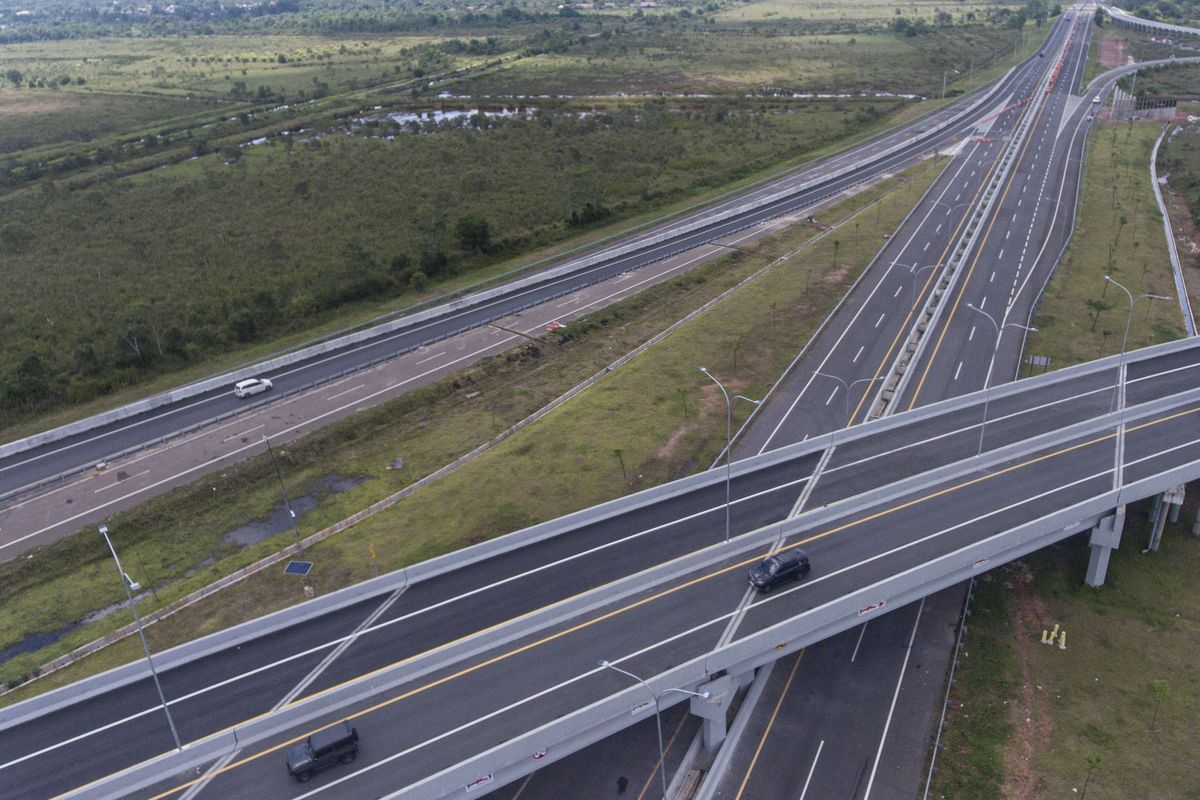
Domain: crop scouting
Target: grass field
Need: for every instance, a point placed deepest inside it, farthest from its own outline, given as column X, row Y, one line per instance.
column 210, row 65
column 724, row 61
column 1179, row 158
column 1025, row 718
column 868, row 11
column 293, row 232
column 1119, row 233
column 180, row 537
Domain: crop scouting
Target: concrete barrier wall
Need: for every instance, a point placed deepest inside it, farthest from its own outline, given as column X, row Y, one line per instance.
column 771, row 643
column 185, row 653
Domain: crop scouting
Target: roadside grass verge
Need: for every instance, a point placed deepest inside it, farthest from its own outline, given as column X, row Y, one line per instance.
column 1025, row 718
column 1143, row 626
column 1119, row 233
column 657, row 411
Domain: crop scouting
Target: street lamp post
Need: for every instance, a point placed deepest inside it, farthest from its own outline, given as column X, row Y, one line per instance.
column 662, row 756
column 915, row 270
column 728, row 440
column 126, row 582
column 1119, row 388
column 846, row 387
column 991, row 364
column 287, row 502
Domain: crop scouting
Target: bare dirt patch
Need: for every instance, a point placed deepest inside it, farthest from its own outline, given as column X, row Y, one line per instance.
column 1030, row 715
column 1113, row 53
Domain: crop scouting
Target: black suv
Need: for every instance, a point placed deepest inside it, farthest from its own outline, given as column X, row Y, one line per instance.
column 323, row 749
column 780, row 567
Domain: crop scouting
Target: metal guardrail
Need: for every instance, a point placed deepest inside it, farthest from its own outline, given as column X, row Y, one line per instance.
column 1185, row 303
column 512, row 759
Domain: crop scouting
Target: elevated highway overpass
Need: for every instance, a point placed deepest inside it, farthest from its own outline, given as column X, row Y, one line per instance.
column 474, row 676
column 1124, row 19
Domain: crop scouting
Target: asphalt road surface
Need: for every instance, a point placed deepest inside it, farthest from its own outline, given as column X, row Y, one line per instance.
column 21, row 474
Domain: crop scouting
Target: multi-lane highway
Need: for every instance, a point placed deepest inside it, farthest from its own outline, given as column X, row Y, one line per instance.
column 439, row 715
column 64, row 749
column 800, row 189
column 409, row 739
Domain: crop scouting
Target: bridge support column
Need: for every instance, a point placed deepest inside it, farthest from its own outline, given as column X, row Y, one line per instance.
column 1167, row 505
column 714, row 710
column 1106, row 537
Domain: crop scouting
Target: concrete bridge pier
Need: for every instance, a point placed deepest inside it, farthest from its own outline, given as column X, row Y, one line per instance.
column 1106, row 537
column 1166, row 506
column 714, row 709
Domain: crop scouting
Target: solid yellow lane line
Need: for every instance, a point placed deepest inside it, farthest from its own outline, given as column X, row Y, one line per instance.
column 962, row 287
column 770, row 724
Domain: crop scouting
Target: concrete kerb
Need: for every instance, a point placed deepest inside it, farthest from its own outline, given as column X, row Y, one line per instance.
column 1181, row 292
column 304, row 354
column 645, row 582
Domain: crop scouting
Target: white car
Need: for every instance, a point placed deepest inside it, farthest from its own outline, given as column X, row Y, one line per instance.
column 251, row 386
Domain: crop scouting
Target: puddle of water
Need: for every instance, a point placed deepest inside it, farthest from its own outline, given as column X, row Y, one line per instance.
column 36, row 641
column 278, row 520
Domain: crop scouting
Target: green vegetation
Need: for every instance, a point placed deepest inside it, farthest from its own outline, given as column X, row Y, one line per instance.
column 1179, row 12
column 1179, row 82
column 1119, row 233
column 700, row 61
column 931, row 12
column 343, row 208
column 268, row 239
column 176, row 543
column 1119, row 703
column 980, row 718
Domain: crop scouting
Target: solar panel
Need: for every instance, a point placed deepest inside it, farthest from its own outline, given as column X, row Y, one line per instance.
column 297, row 568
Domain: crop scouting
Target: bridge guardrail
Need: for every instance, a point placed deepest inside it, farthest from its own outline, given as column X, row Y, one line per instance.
column 821, row 621
column 432, row 568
